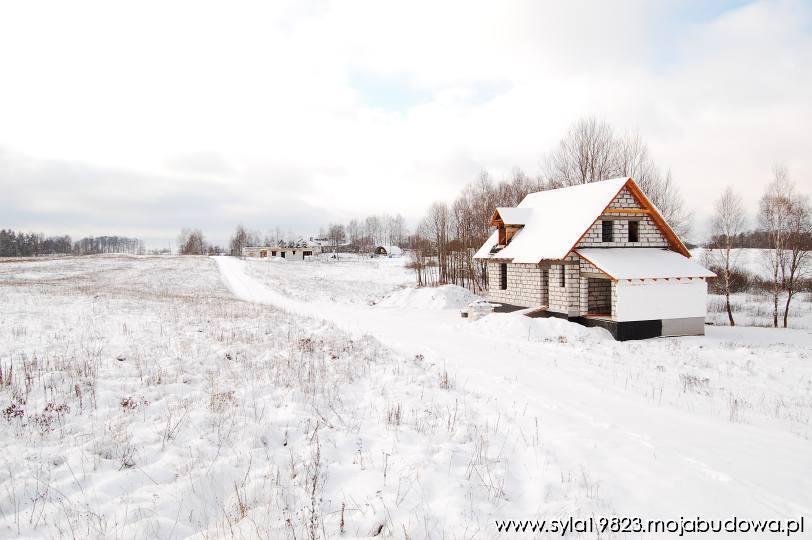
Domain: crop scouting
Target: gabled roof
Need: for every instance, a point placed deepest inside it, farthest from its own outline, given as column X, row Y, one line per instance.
column 643, row 263
column 512, row 216
column 555, row 221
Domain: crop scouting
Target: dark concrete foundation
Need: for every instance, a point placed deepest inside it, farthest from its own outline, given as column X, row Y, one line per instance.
column 630, row 330
column 507, row 308
column 626, row 330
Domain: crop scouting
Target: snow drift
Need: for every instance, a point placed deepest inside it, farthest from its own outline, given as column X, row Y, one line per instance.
column 516, row 326
column 445, row 297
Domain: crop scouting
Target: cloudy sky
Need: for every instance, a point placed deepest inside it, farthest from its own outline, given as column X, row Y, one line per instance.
column 142, row 118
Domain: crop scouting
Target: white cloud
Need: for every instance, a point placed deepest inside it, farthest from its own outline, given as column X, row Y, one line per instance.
column 259, row 103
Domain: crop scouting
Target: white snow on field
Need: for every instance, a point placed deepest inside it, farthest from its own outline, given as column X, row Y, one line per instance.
column 143, row 400
column 755, row 308
column 444, row 297
column 180, row 396
column 717, row 426
column 348, row 279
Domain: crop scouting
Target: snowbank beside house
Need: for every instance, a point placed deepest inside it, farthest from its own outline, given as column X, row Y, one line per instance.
column 514, row 326
column 445, row 297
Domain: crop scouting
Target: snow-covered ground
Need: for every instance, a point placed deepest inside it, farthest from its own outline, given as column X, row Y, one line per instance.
column 714, row 426
column 140, row 399
column 350, row 278
column 167, row 397
column 755, row 308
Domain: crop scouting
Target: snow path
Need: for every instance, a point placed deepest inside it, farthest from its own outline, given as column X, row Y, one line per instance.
column 641, row 458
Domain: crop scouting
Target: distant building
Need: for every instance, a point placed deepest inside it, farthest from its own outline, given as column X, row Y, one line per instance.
column 388, row 251
column 296, row 253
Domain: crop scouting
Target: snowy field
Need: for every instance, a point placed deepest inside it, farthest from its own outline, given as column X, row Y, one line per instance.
column 350, row 278
column 755, row 308
column 141, row 400
column 213, row 397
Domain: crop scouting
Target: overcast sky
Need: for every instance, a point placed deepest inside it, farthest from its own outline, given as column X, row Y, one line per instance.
column 138, row 120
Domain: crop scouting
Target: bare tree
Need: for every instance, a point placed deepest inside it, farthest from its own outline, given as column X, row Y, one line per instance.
column 398, row 230
column 666, row 196
column 634, row 160
column 436, row 224
column 728, row 222
column 336, row 235
column 774, row 208
column 591, row 151
column 191, row 242
column 798, row 244
column 373, row 228
column 239, row 241
column 586, row 154
column 353, row 231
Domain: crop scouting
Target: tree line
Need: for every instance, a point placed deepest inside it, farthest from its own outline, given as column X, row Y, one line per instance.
column 93, row 245
column 364, row 235
column 356, row 236
column 21, row 244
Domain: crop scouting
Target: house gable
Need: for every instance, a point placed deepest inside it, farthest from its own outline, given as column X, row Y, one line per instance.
column 624, row 209
column 630, row 204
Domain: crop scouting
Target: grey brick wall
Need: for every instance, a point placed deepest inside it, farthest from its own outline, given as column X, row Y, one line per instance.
column 648, row 233
column 599, row 296
column 526, row 281
column 524, row 285
column 565, row 299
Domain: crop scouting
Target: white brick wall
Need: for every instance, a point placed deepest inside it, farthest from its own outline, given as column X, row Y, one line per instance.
column 565, row 299
column 524, row 285
column 648, row 233
column 526, row 281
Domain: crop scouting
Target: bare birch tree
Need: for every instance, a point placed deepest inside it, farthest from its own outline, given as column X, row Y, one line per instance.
column 798, row 239
column 728, row 222
column 773, row 214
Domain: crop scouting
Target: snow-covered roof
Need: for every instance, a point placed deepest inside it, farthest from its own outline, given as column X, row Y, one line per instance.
column 555, row 221
column 513, row 216
column 643, row 263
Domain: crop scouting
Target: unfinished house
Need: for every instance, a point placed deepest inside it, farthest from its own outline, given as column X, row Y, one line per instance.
column 599, row 254
column 288, row 253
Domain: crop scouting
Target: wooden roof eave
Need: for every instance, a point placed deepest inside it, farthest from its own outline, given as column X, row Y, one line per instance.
column 669, row 233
